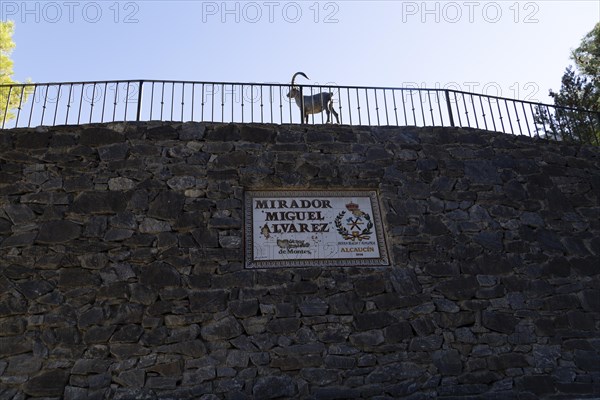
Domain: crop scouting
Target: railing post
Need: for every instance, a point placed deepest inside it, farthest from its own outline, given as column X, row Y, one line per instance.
column 598, row 133
column 5, row 115
column 139, row 103
column 449, row 107
column 301, row 106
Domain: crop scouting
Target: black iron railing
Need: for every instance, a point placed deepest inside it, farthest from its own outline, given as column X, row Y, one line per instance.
column 74, row 103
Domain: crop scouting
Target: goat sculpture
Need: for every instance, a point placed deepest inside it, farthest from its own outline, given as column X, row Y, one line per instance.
column 314, row 104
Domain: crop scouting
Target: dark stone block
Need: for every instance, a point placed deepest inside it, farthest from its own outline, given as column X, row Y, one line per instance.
column 433, row 225
column 333, row 333
column 396, row 371
column 340, row 362
column 462, row 288
column 162, row 132
column 336, row 393
column 235, row 279
column 441, row 269
column 318, row 137
column 192, row 131
column 561, row 302
column 223, row 133
column 405, row 281
column 462, row 391
column 490, row 240
column 244, row 308
column 488, row 265
column 482, row 172
column 499, row 322
column 12, row 326
column 127, row 334
column 159, row 275
column 93, row 316
column 232, row 159
column 537, row 384
column 224, row 329
column 319, row 376
column 126, row 351
column 58, row 232
column 47, row 384
column 546, row 356
column 587, row 360
column 75, row 278
column 32, row 140
column 133, row 378
column 426, row 343
column 90, row 366
column 303, row 287
column 96, row 227
column 455, row 320
column 273, row 387
column 5, row 226
column 423, row 326
column 591, row 300
column 193, row 348
column 514, row 190
column 257, row 134
column 385, row 301
column 579, row 320
column 296, row 362
column 113, row 152
column 96, row 334
column 209, row 301
column 19, row 213
column 578, row 388
column 116, row 235
column 225, row 223
column 161, row 382
column 283, row 325
column 206, row 237
column 167, row 205
column 587, row 266
column 19, row 240
column 345, row 304
column 549, row 241
column 447, row 362
column 398, row 332
column 420, row 190
column 13, row 345
column 313, row 307
column 369, row 286
column 34, row 289
column 373, row 320
column 426, row 164
column 367, row 339
column 485, row 377
column 505, row 361
column 100, row 203
column 100, row 136
column 377, row 153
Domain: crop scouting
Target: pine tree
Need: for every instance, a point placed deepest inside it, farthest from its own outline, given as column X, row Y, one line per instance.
column 580, row 90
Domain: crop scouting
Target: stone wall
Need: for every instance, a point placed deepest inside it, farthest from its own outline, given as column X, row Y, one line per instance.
column 122, row 276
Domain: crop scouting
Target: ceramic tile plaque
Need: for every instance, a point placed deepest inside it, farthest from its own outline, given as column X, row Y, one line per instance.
column 313, row 228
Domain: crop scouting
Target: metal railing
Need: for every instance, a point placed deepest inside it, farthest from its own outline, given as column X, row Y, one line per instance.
column 74, row 103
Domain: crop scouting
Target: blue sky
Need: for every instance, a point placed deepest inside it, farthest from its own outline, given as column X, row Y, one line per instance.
column 516, row 49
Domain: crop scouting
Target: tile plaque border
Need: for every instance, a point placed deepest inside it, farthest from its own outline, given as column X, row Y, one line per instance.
column 313, row 228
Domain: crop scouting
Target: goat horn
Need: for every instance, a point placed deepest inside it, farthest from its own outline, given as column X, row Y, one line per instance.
column 296, row 74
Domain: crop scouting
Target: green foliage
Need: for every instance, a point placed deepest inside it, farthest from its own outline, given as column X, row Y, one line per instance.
column 577, row 116
column 587, row 59
column 10, row 97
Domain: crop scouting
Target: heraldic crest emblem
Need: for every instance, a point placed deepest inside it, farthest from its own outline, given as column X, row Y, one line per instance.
column 357, row 226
